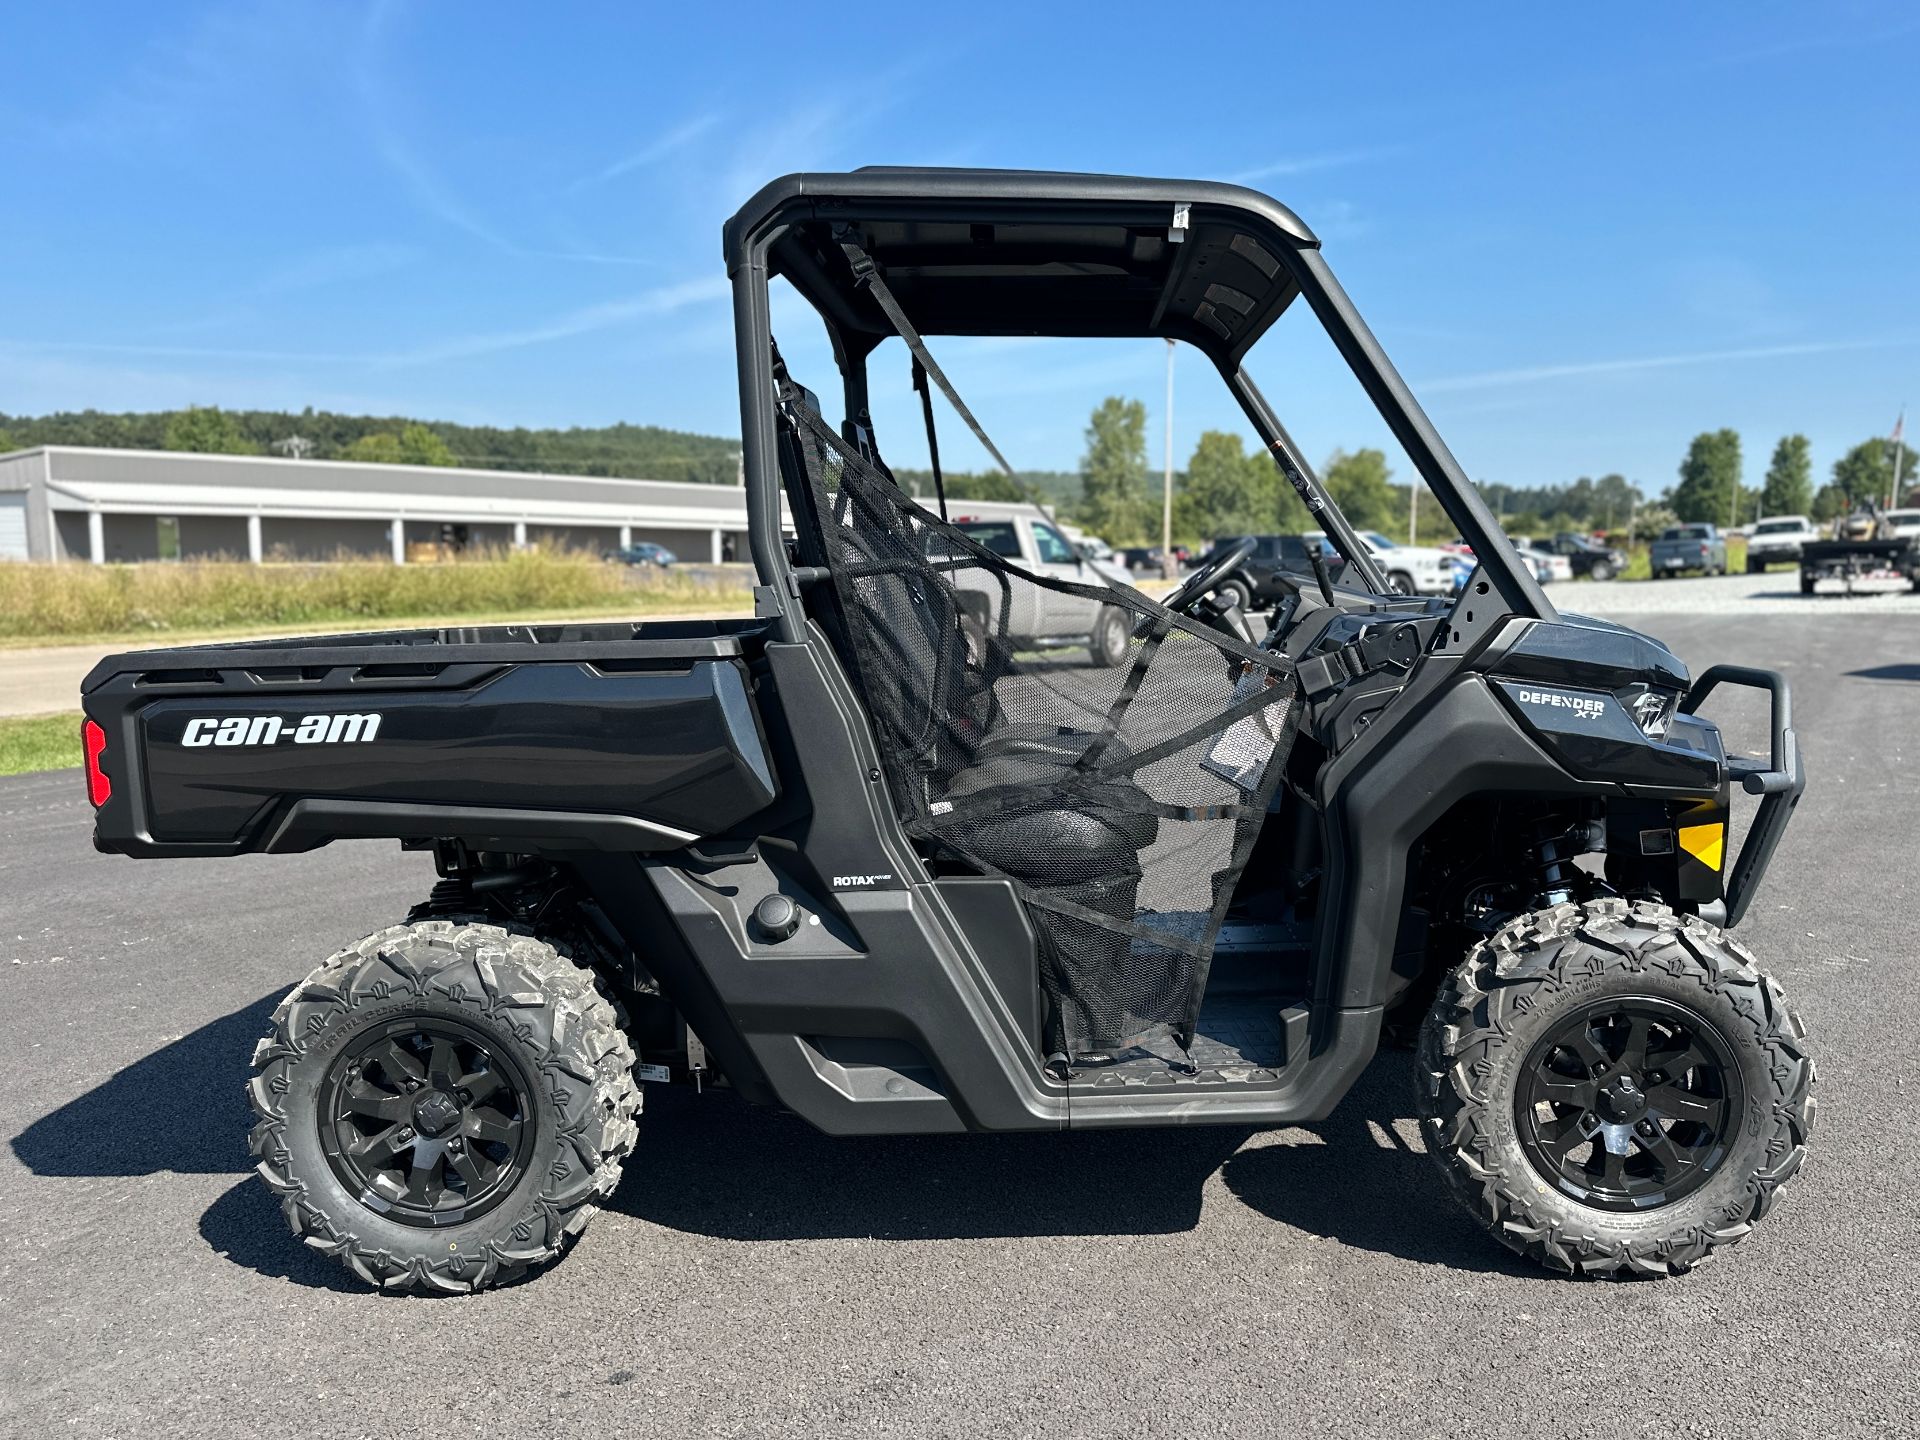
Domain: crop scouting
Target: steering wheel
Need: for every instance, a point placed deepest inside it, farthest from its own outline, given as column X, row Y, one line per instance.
column 1211, row 575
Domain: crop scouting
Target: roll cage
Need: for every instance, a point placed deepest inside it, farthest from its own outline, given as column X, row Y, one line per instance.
column 1007, row 252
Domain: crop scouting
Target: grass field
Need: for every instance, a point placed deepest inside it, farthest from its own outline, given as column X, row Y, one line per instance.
column 68, row 603
column 41, row 742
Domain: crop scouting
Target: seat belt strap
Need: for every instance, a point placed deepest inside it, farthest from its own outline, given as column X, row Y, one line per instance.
column 866, row 273
column 933, row 437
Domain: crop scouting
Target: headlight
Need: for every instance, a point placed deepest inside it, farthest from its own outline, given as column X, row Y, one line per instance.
column 1652, row 710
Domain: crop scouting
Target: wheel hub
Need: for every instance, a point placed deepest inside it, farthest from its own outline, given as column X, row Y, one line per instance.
column 1621, row 1100
column 427, row 1121
column 436, row 1113
column 1628, row 1103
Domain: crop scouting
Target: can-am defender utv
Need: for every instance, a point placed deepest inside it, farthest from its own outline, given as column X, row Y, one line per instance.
column 861, row 858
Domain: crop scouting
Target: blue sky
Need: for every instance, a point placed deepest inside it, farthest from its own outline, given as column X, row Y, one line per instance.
column 1583, row 233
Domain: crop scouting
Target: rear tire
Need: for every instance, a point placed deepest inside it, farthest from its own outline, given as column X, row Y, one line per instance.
column 1601, row 571
column 443, row 1106
column 1400, row 583
column 1108, row 643
column 1537, row 1011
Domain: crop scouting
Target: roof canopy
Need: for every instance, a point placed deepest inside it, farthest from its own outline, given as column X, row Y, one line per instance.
column 1005, row 252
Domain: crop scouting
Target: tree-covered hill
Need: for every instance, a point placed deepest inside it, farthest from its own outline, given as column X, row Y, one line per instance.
column 644, row 452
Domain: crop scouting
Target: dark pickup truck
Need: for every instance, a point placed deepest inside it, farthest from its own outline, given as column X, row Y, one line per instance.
column 1259, row 585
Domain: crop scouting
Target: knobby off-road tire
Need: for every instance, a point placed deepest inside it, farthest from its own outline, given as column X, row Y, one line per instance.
column 552, row 1072
column 1517, row 991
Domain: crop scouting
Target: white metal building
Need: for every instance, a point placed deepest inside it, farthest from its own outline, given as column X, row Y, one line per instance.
column 62, row 502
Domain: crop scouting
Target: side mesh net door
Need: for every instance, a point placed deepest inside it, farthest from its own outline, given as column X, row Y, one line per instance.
column 1121, row 802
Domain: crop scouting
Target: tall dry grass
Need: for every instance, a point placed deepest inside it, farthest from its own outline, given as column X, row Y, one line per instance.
column 65, row 601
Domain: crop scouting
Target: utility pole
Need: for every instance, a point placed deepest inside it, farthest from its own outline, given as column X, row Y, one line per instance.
column 1899, row 456
column 1166, row 487
column 1413, row 512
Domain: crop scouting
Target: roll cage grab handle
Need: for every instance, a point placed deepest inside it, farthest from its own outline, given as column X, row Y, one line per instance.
column 778, row 593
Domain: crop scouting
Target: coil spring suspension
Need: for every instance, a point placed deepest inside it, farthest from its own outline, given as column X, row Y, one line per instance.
column 1556, row 846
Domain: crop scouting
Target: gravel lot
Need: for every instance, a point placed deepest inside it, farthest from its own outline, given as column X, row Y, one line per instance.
column 754, row 1278
column 1777, row 592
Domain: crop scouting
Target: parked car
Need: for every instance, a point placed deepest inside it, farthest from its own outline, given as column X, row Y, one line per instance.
column 1410, row 569
column 1778, row 538
column 1904, row 524
column 1042, row 619
column 1548, row 564
column 1146, row 559
column 644, row 553
column 1255, row 586
column 1588, row 556
column 1681, row 548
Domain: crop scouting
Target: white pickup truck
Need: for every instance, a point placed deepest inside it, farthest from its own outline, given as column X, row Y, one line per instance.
column 1778, row 538
column 1039, row 618
column 1410, row 569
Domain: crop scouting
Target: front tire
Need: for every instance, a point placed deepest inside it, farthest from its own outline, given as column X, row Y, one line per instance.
column 1601, row 572
column 1614, row 1088
column 1240, row 593
column 1400, row 583
column 442, row 1105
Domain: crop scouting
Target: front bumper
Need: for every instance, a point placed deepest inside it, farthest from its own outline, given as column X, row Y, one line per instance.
column 1778, row 780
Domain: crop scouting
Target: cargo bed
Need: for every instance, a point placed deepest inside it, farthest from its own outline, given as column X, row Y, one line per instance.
column 528, row 738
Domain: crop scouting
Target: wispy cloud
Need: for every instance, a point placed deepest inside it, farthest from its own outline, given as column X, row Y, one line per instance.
column 1527, row 375
column 1310, row 164
column 606, row 315
column 652, row 153
column 665, row 300
column 335, row 266
column 430, row 191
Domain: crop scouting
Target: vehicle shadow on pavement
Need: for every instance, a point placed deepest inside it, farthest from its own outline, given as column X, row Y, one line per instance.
column 246, row 1227
column 1887, row 672
column 715, row 1166
column 1364, row 1185
column 182, row 1108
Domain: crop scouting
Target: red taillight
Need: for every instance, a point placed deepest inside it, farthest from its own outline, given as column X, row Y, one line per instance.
column 98, row 786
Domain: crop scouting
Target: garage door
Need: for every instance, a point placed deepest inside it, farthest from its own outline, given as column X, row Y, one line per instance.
column 13, row 526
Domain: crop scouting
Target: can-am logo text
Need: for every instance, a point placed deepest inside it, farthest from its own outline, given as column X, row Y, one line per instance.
column 1584, row 707
column 272, row 729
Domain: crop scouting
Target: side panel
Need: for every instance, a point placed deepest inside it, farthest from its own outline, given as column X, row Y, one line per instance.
column 679, row 749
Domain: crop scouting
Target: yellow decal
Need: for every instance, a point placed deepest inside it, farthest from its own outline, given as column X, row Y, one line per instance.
column 1706, row 843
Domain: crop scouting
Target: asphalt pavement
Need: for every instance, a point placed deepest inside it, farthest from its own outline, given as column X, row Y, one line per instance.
column 753, row 1278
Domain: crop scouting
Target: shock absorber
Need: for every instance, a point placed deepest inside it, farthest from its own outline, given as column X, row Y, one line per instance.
column 1556, row 846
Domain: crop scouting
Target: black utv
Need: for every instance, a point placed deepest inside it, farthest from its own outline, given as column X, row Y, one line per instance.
column 864, row 858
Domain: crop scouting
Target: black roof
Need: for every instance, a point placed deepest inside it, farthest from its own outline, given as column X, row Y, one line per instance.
column 1016, row 252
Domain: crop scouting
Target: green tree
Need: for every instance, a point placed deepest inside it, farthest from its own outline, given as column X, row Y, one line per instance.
column 1226, row 491
column 206, row 430
column 1866, row 471
column 1709, row 478
column 379, row 448
column 1830, row 504
column 1614, row 500
column 1113, row 473
column 1789, row 486
column 7, row 442
column 1359, row 485
column 421, row 446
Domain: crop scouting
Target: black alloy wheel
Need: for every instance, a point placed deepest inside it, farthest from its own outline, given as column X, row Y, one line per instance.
column 1629, row 1103
column 425, row 1123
